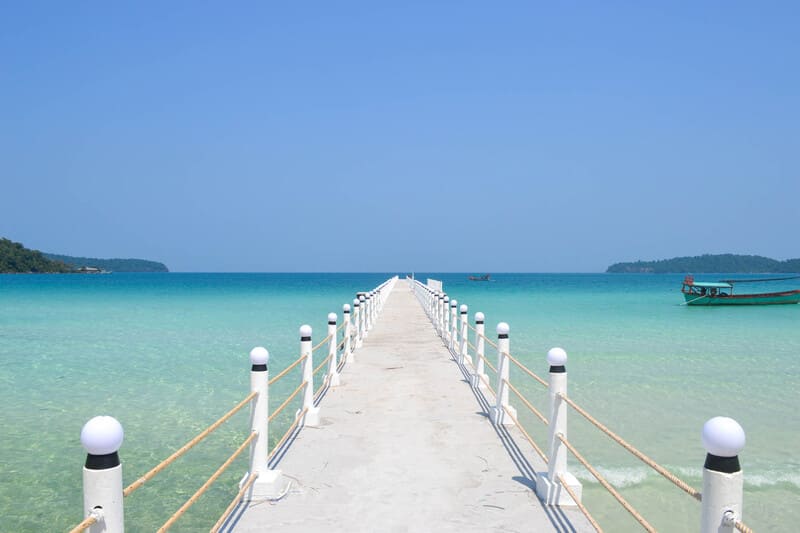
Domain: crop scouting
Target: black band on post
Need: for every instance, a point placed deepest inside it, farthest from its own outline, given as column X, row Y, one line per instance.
column 332, row 323
column 559, row 369
column 259, row 368
column 102, row 462
column 479, row 321
column 726, row 465
column 502, row 335
column 305, row 339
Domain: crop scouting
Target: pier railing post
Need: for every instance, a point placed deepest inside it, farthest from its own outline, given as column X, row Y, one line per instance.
column 333, row 348
column 101, row 437
column 723, row 439
column 480, row 346
column 348, row 331
column 463, row 351
column 269, row 483
column 445, row 319
column 452, row 344
column 548, row 487
column 362, row 327
column 435, row 314
column 370, row 307
column 498, row 413
column 356, row 323
column 311, row 417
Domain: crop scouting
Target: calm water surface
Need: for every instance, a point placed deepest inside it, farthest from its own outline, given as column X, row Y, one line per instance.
column 167, row 355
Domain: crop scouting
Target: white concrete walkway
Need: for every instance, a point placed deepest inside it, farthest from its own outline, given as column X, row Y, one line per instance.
column 405, row 445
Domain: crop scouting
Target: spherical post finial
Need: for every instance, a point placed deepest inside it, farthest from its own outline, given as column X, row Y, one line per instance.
column 332, row 317
column 463, row 309
column 453, row 303
column 479, row 317
column 259, row 356
column 723, row 437
column 503, row 328
column 305, row 331
column 346, row 308
column 557, row 357
column 102, row 435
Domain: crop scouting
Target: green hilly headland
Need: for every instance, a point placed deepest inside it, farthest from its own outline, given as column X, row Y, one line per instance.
column 15, row 258
column 111, row 265
column 709, row 263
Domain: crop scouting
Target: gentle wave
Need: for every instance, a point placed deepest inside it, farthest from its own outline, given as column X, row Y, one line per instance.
column 622, row 477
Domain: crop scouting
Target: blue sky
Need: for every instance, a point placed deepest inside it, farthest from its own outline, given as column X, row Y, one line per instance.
column 430, row 136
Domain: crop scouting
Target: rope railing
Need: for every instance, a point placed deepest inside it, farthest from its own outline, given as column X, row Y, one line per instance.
column 639, row 455
column 287, row 369
column 102, row 488
column 526, row 370
column 580, row 505
column 204, row 487
column 527, row 404
column 88, row 521
column 530, row 440
column 321, row 365
column 188, row 446
column 602, row 480
column 277, row 411
column 289, row 431
column 234, row 502
column 439, row 313
column 321, row 343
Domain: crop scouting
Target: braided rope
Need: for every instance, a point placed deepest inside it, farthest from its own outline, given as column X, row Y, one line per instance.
column 318, row 346
column 526, row 402
column 188, row 446
column 489, row 341
column 191, row 501
column 634, row 513
column 319, row 366
column 286, row 401
column 582, row 507
column 288, row 432
column 228, row 510
column 525, row 369
column 645, row 459
column 741, row 526
column 525, row 433
column 488, row 363
column 287, row 369
column 88, row 521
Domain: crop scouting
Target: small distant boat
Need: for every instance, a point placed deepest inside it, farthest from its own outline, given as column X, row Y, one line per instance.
column 721, row 293
column 485, row 277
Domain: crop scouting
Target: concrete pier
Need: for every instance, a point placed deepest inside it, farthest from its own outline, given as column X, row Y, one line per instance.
column 404, row 444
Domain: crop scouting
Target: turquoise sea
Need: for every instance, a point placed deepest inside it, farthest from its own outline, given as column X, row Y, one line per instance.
column 167, row 354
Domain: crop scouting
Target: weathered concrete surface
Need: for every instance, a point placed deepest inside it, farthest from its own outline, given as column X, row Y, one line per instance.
column 405, row 445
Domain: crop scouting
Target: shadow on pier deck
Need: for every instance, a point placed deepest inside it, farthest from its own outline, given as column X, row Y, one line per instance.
column 404, row 444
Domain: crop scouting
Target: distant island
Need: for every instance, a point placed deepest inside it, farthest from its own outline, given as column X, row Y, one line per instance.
column 110, row 265
column 708, row 263
column 15, row 258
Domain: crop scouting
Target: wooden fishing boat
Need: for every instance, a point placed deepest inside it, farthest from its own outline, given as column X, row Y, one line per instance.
column 721, row 293
column 485, row 277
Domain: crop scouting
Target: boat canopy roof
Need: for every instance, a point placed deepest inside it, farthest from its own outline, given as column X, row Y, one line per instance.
column 712, row 285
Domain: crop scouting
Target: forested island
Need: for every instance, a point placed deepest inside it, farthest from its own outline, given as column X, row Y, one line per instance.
column 15, row 258
column 711, row 264
column 111, row 265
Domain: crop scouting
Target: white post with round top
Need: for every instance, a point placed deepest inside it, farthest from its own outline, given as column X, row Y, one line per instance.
column 348, row 331
column 311, row 417
column 498, row 412
column 548, row 486
column 269, row 483
column 463, row 351
column 362, row 328
column 480, row 346
column 452, row 343
column 333, row 348
column 445, row 319
column 721, row 506
column 101, row 437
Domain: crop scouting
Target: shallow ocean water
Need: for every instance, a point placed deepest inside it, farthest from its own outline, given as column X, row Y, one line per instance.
column 167, row 355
